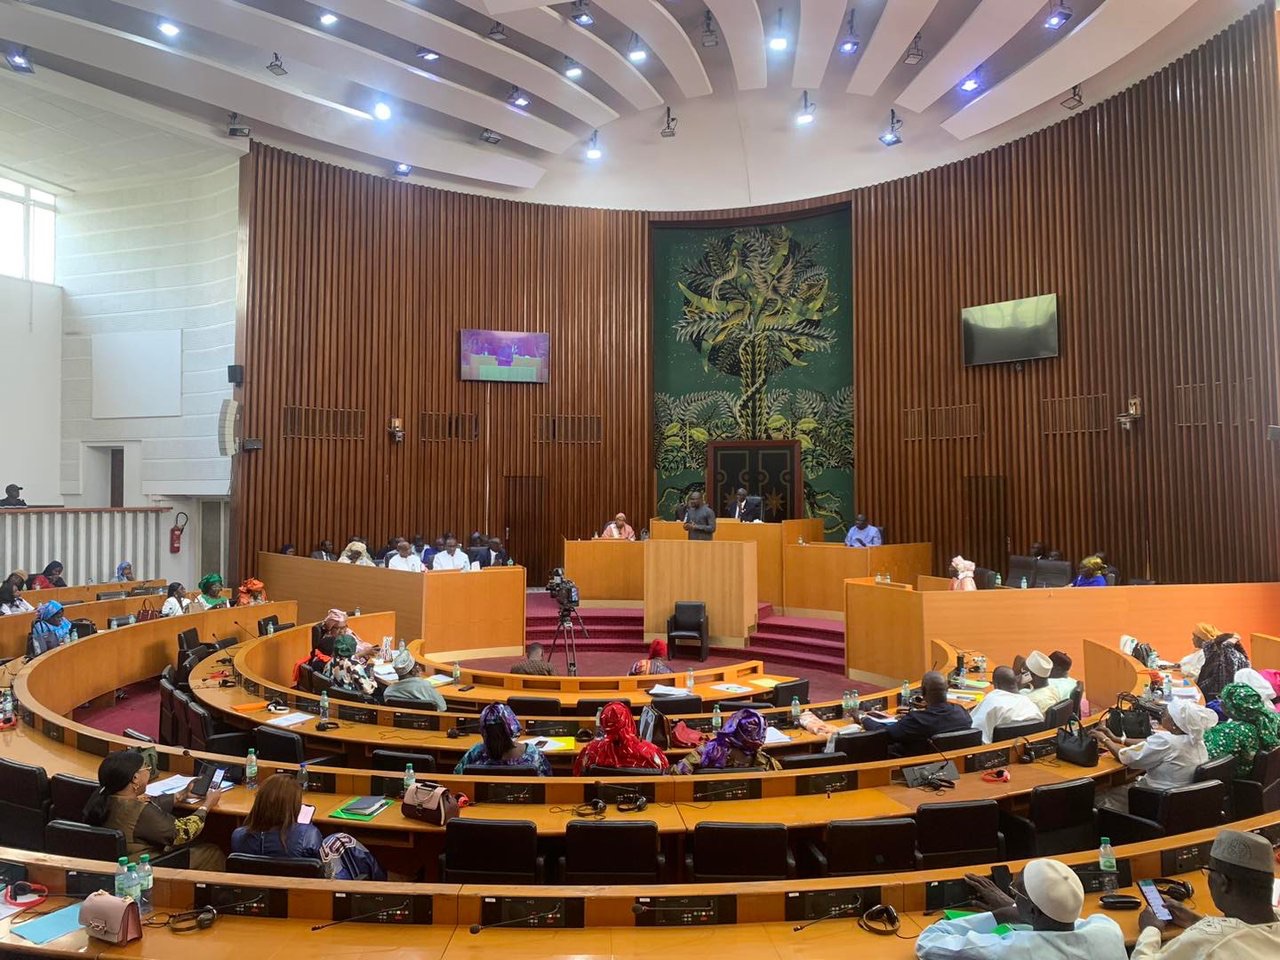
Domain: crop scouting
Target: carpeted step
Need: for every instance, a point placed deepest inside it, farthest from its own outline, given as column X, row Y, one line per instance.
column 782, row 641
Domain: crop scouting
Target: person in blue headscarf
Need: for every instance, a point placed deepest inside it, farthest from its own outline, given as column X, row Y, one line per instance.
column 124, row 571
column 738, row 746
column 50, row 628
column 500, row 744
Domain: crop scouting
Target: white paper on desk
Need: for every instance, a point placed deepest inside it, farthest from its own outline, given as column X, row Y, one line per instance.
column 290, row 719
column 386, row 673
column 439, row 679
column 882, row 719
column 7, row 910
column 1191, row 693
column 774, row 735
column 730, row 687
column 175, row 784
column 662, row 690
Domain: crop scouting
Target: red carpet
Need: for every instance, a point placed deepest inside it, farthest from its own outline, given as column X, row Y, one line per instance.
column 139, row 711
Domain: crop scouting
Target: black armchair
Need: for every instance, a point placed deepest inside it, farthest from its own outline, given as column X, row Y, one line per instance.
column 69, row 795
column 284, row 746
column 611, row 852
column 1259, row 792
column 688, row 625
column 1061, row 819
column 730, row 852
column 24, row 805
column 863, row 846
column 1159, row 813
column 304, row 868
column 956, row 833
column 491, row 852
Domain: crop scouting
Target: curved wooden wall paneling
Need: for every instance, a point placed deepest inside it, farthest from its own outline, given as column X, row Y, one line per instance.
column 1153, row 215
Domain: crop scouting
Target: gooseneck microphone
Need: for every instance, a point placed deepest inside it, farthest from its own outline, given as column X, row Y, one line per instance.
column 833, row 913
column 363, row 916
column 513, row 921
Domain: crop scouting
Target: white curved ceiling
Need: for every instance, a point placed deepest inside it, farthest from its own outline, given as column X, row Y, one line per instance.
column 735, row 98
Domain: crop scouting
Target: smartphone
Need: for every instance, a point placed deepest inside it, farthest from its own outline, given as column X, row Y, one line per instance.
column 1154, row 900
column 1002, row 877
column 469, row 686
column 208, row 782
column 306, row 814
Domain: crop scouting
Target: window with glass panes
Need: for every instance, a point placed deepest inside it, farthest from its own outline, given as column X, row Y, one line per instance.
column 26, row 231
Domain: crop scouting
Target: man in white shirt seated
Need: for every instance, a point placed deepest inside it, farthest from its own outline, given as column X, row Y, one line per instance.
column 452, row 558
column 404, row 558
column 1241, row 873
column 1042, row 692
column 1039, row 922
column 1060, row 677
column 1003, row 704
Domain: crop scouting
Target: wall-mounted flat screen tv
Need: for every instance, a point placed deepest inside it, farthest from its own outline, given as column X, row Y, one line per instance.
column 1014, row 330
column 506, row 356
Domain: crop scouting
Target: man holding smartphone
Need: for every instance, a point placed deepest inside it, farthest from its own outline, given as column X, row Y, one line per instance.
column 1241, row 876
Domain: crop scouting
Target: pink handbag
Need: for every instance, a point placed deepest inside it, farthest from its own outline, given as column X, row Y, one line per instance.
column 113, row 919
column 430, row 803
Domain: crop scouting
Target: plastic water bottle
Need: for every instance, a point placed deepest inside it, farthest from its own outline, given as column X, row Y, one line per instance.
column 73, row 636
column 999, row 581
column 251, row 770
column 688, row 679
column 1152, row 660
column 846, row 704
column 302, row 776
column 904, row 697
column 599, row 711
column 122, row 877
column 357, row 611
column 132, row 885
column 271, row 628
column 1107, row 865
column 855, row 701
column 6, row 708
column 716, row 720
column 1168, row 687
column 408, row 779
column 795, row 710
column 401, row 648
column 457, row 672
column 386, row 648
column 801, row 541
column 145, row 882
column 1023, row 584
column 324, row 705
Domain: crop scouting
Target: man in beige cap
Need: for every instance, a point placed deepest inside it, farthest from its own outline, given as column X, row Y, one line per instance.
column 1241, row 876
column 1041, row 921
column 1042, row 693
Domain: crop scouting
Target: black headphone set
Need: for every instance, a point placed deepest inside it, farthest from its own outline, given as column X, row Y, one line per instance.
column 627, row 803
column 278, row 706
column 1178, row 890
column 881, row 919
column 324, row 725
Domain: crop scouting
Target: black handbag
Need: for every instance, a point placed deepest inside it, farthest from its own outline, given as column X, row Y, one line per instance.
column 1128, row 718
column 1076, row 745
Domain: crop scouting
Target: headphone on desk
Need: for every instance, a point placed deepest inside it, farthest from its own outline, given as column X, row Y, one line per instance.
column 1179, row 890
column 188, row 920
column 632, row 803
column 21, row 888
column 881, row 919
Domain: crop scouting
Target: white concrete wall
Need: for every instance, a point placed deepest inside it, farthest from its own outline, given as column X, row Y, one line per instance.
column 30, row 381
column 157, row 257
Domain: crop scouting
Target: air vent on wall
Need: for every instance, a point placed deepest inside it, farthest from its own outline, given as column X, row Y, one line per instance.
column 1214, row 404
column 321, row 423
column 449, row 426
column 1082, row 414
column 942, row 423
column 566, row 428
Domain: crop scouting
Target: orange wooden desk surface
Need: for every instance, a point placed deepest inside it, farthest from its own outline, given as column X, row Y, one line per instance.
column 814, row 574
column 606, row 569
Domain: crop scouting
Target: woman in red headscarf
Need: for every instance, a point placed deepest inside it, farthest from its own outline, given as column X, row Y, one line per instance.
column 655, row 663
column 620, row 746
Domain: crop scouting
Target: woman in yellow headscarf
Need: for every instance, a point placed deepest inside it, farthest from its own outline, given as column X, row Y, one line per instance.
column 1092, row 573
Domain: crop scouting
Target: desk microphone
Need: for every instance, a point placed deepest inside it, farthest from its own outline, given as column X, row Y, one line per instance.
column 970, row 902
column 459, row 728
column 846, row 911
column 639, row 908
column 362, row 916
column 553, row 912
column 722, row 791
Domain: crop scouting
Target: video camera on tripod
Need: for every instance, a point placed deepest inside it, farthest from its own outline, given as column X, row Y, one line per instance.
column 563, row 590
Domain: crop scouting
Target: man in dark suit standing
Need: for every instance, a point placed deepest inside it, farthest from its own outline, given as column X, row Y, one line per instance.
column 699, row 519
column 745, row 508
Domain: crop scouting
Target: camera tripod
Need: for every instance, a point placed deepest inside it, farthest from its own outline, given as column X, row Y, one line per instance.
column 566, row 631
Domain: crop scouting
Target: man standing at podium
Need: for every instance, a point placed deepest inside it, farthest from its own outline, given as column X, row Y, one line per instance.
column 699, row 519
column 745, row 508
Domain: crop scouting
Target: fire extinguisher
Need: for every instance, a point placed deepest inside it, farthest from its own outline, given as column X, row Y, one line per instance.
column 175, row 532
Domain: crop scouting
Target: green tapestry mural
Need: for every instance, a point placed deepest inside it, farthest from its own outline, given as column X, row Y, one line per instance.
column 753, row 341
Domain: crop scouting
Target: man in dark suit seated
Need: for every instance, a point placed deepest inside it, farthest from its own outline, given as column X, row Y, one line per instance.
column 745, row 508
column 910, row 734
column 494, row 555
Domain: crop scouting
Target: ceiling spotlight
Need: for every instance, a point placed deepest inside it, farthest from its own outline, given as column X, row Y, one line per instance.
column 637, row 53
column 426, row 53
column 571, row 68
column 402, row 169
column 915, row 52
column 517, row 97
column 778, row 42
column 593, row 146
column 805, row 114
column 168, row 29
column 669, row 128
column 490, row 136
column 328, row 19
column 381, row 111
column 1075, row 101
column 970, row 83
column 19, row 62
column 892, row 135
column 581, row 13
column 1059, row 14
column 276, row 65
column 850, row 42
column 235, row 128
column 709, row 36
column 497, row 32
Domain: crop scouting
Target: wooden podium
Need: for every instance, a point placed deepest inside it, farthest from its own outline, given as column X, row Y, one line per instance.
column 721, row 574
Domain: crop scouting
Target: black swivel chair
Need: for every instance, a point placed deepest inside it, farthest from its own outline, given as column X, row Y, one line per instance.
column 863, row 846
column 688, row 625
column 181, row 718
column 733, row 852
column 272, row 622
column 728, row 707
column 168, row 724
column 396, row 760
column 677, row 706
column 611, row 852
column 305, row 675
column 491, row 852
column 1259, row 792
column 1164, row 813
column 984, row 578
column 188, row 640
column 484, row 771
column 1224, row 771
column 63, row 838
column 1061, row 819
column 958, row 739
column 1053, row 573
column 69, row 795
column 864, row 746
column 1012, row 731
column 284, row 746
column 804, row 761
column 347, row 695
column 24, row 805
column 406, row 703
column 784, row 693
column 209, row 735
column 1021, row 567
column 589, row 708
column 958, row 833
column 1058, row 715
column 534, row 706
column 320, row 683
column 303, row 868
